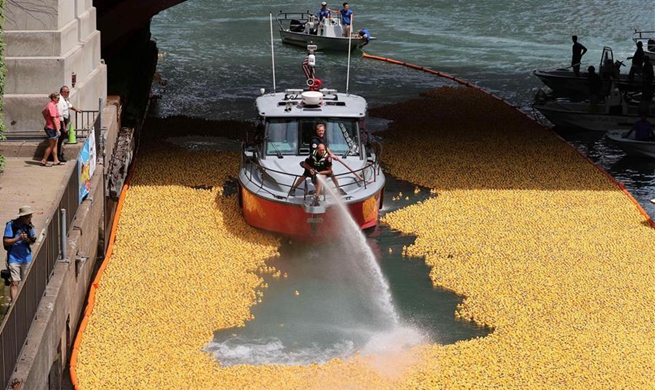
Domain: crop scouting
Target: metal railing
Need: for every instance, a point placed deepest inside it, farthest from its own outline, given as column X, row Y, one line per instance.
column 17, row 321
column 365, row 176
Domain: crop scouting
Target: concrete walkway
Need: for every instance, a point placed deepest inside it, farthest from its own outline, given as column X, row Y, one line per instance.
column 24, row 182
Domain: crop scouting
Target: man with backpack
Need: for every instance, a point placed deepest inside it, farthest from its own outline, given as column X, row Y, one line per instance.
column 18, row 237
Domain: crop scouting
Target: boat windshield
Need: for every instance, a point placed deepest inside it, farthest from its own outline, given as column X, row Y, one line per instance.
column 293, row 136
column 282, row 137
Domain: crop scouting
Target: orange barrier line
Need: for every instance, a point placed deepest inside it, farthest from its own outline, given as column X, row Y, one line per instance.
column 96, row 282
column 649, row 220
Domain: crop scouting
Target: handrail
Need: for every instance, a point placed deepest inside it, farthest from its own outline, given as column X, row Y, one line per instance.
column 370, row 166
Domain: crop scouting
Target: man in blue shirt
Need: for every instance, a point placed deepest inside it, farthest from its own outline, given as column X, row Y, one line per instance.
column 18, row 237
column 365, row 35
column 324, row 12
column 347, row 18
column 642, row 128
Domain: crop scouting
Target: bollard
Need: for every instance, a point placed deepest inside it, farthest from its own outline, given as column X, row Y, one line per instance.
column 72, row 137
column 63, row 234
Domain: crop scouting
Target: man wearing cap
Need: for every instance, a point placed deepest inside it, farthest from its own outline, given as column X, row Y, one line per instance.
column 324, row 12
column 19, row 236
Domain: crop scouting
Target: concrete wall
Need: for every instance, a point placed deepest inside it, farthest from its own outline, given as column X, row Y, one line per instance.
column 45, row 44
column 52, row 332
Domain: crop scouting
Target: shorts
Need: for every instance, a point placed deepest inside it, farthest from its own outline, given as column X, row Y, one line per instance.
column 308, row 174
column 18, row 271
column 52, row 134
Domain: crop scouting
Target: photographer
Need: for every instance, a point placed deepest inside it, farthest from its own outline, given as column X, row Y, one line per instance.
column 18, row 237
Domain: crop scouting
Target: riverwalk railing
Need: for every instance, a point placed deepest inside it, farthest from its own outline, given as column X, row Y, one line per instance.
column 15, row 324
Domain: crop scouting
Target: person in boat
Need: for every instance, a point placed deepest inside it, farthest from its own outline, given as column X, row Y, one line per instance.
column 318, row 163
column 642, row 128
column 578, row 51
column 324, row 12
column 647, row 81
column 637, row 61
column 317, row 139
column 595, row 89
column 365, row 36
column 347, row 18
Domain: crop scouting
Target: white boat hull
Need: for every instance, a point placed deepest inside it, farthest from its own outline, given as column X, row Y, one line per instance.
column 632, row 146
column 323, row 43
column 586, row 120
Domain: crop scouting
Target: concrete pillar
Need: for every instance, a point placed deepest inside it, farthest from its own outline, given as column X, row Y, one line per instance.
column 45, row 43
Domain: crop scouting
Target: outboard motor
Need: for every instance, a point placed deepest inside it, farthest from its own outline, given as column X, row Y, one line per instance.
column 296, row 26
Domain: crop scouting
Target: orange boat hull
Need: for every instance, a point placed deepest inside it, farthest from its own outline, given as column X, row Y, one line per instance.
column 292, row 220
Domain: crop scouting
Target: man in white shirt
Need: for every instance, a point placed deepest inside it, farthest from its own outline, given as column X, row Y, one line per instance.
column 64, row 106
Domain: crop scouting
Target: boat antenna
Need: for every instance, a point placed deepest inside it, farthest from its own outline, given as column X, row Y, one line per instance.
column 270, row 14
column 350, row 38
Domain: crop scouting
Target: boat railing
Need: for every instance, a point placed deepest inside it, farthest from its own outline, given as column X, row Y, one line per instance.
column 362, row 177
column 647, row 36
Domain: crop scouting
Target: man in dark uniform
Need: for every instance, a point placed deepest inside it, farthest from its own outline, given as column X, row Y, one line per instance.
column 647, row 76
column 318, row 163
column 578, row 51
column 595, row 89
column 637, row 61
column 321, row 138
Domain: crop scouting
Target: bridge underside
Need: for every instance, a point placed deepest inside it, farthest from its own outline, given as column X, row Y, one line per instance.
column 120, row 20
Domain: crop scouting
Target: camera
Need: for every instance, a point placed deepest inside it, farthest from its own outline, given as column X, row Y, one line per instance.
column 6, row 275
column 30, row 239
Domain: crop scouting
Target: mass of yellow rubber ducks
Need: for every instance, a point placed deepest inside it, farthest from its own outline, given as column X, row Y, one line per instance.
column 544, row 248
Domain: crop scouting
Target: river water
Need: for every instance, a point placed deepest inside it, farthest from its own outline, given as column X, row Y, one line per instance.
column 216, row 56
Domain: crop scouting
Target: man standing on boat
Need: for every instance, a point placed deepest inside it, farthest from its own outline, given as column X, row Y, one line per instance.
column 578, row 51
column 647, row 76
column 595, row 89
column 347, row 18
column 637, row 61
column 324, row 12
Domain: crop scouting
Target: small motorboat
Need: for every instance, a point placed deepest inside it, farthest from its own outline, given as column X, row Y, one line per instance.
column 271, row 164
column 303, row 28
column 564, row 83
column 647, row 38
column 630, row 145
column 617, row 111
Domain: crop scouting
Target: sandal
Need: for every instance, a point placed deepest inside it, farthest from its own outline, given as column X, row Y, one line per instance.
column 58, row 163
column 45, row 164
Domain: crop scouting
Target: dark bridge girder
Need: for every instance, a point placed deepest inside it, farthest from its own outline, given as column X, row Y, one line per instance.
column 120, row 20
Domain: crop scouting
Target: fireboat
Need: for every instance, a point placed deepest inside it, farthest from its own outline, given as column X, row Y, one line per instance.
column 271, row 161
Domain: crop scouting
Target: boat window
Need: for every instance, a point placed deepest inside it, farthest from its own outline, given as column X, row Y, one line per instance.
column 281, row 137
column 342, row 136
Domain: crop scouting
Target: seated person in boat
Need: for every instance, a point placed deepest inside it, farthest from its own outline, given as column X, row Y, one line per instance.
column 319, row 163
column 320, row 138
column 365, row 36
column 642, row 128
